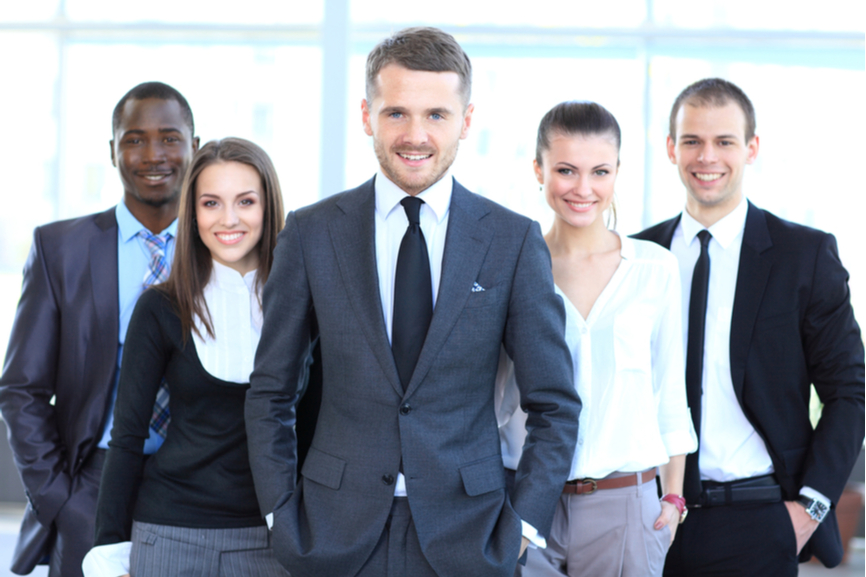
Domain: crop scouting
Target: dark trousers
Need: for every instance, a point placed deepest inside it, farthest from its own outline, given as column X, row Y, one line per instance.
column 734, row 540
column 398, row 552
column 75, row 522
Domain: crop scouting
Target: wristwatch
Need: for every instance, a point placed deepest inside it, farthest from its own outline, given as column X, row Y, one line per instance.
column 816, row 509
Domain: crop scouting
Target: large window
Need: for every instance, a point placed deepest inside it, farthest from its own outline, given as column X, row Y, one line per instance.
column 290, row 76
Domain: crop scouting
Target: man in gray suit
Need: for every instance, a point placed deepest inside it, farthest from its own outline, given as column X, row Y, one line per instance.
column 404, row 475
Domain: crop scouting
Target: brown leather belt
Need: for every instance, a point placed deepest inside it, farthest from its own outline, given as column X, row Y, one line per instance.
column 590, row 486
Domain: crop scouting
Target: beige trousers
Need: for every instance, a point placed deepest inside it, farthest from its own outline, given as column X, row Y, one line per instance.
column 605, row 534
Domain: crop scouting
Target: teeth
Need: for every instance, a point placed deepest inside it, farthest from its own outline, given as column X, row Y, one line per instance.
column 232, row 236
column 579, row 204
column 154, row 176
column 707, row 177
column 415, row 156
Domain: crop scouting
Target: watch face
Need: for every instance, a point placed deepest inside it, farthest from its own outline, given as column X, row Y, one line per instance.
column 817, row 510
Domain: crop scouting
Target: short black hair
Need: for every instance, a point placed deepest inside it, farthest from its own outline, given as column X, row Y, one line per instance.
column 153, row 90
column 714, row 92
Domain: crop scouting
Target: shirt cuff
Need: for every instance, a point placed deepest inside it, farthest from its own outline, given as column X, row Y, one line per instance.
column 811, row 493
column 536, row 541
column 110, row 560
column 269, row 519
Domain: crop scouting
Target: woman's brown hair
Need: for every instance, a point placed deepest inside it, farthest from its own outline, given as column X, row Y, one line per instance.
column 192, row 266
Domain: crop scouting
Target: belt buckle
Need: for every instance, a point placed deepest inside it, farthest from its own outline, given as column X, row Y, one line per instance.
column 594, row 486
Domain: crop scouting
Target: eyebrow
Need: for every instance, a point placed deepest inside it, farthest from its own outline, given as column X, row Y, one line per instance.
column 238, row 195
column 564, row 164
column 140, row 131
column 718, row 136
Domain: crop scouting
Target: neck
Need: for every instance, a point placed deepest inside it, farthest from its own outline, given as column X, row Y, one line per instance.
column 562, row 238
column 708, row 215
column 154, row 218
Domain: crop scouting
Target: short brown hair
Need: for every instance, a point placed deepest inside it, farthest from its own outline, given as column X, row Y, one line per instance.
column 421, row 48
column 714, row 92
column 193, row 264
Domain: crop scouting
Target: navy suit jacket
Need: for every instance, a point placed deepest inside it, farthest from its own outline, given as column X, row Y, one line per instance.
column 792, row 326
column 63, row 345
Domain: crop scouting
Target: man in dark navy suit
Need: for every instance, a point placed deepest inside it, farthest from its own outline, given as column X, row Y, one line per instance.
column 81, row 281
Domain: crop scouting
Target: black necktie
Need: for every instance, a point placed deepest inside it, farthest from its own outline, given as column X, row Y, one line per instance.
column 413, row 294
column 695, row 360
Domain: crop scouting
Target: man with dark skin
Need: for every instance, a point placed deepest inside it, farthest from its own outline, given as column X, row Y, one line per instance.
column 81, row 281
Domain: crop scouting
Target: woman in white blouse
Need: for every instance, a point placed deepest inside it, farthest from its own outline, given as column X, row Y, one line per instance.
column 191, row 507
column 623, row 326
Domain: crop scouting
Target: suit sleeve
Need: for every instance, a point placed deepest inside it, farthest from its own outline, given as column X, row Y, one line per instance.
column 145, row 357
column 280, row 371
column 534, row 339
column 834, row 355
column 27, row 387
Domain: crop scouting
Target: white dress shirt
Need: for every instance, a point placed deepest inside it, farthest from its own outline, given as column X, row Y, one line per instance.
column 236, row 317
column 730, row 448
column 391, row 225
column 629, row 372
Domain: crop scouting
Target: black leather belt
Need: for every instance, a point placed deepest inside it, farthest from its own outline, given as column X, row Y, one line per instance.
column 754, row 490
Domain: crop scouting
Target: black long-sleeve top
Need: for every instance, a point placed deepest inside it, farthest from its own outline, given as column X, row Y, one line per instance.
column 200, row 477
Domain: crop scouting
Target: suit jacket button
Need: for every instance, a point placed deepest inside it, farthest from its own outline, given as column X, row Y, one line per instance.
column 405, row 409
column 388, row 479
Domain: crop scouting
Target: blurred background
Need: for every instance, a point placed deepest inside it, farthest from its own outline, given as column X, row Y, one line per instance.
column 290, row 76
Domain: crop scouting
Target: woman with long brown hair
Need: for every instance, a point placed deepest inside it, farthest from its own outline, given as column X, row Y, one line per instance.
column 192, row 505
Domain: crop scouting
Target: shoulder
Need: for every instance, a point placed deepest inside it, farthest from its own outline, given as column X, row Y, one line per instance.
column 660, row 232
column 486, row 210
column 64, row 231
column 786, row 231
column 155, row 301
column 342, row 201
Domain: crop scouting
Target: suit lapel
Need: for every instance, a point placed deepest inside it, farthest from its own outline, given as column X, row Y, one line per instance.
column 103, row 279
column 752, row 276
column 466, row 244
column 353, row 234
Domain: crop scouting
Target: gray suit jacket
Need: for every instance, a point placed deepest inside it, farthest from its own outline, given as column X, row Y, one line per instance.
column 444, row 427
column 63, row 345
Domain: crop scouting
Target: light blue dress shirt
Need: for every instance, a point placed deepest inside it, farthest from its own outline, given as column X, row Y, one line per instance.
column 133, row 262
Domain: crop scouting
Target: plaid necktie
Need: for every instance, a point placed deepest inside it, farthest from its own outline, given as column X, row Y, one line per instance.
column 158, row 272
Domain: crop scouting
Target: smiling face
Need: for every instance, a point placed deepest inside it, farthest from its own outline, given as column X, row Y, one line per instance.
column 417, row 120
column 151, row 149
column 229, row 213
column 577, row 174
column 711, row 153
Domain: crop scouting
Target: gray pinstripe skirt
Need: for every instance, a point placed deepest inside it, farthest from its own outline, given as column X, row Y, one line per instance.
column 184, row 552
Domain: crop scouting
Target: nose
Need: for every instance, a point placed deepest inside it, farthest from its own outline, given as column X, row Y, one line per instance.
column 230, row 216
column 582, row 187
column 708, row 153
column 154, row 153
column 416, row 133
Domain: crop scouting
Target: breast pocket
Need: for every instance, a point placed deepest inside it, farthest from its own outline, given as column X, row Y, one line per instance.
column 632, row 339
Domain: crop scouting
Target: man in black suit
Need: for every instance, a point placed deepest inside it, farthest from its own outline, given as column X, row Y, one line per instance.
column 768, row 314
column 81, row 281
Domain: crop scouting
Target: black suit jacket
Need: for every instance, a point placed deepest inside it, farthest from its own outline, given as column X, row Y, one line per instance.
column 792, row 326
column 63, row 346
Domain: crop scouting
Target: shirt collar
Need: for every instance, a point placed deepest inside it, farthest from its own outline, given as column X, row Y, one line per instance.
column 128, row 226
column 724, row 231
column 437, row 197
column 228, row 279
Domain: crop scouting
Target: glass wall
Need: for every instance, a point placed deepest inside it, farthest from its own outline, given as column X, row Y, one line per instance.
column 266, row 71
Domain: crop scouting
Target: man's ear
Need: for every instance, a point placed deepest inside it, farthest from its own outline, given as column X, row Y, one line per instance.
column 672, row 150
column 195, row 144
column 113, row 159
column 752, row 149
column 365, row 117
column 467, row 121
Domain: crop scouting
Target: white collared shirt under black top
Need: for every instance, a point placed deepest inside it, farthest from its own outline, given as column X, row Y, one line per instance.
column 226, row 361
column 730, row 448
